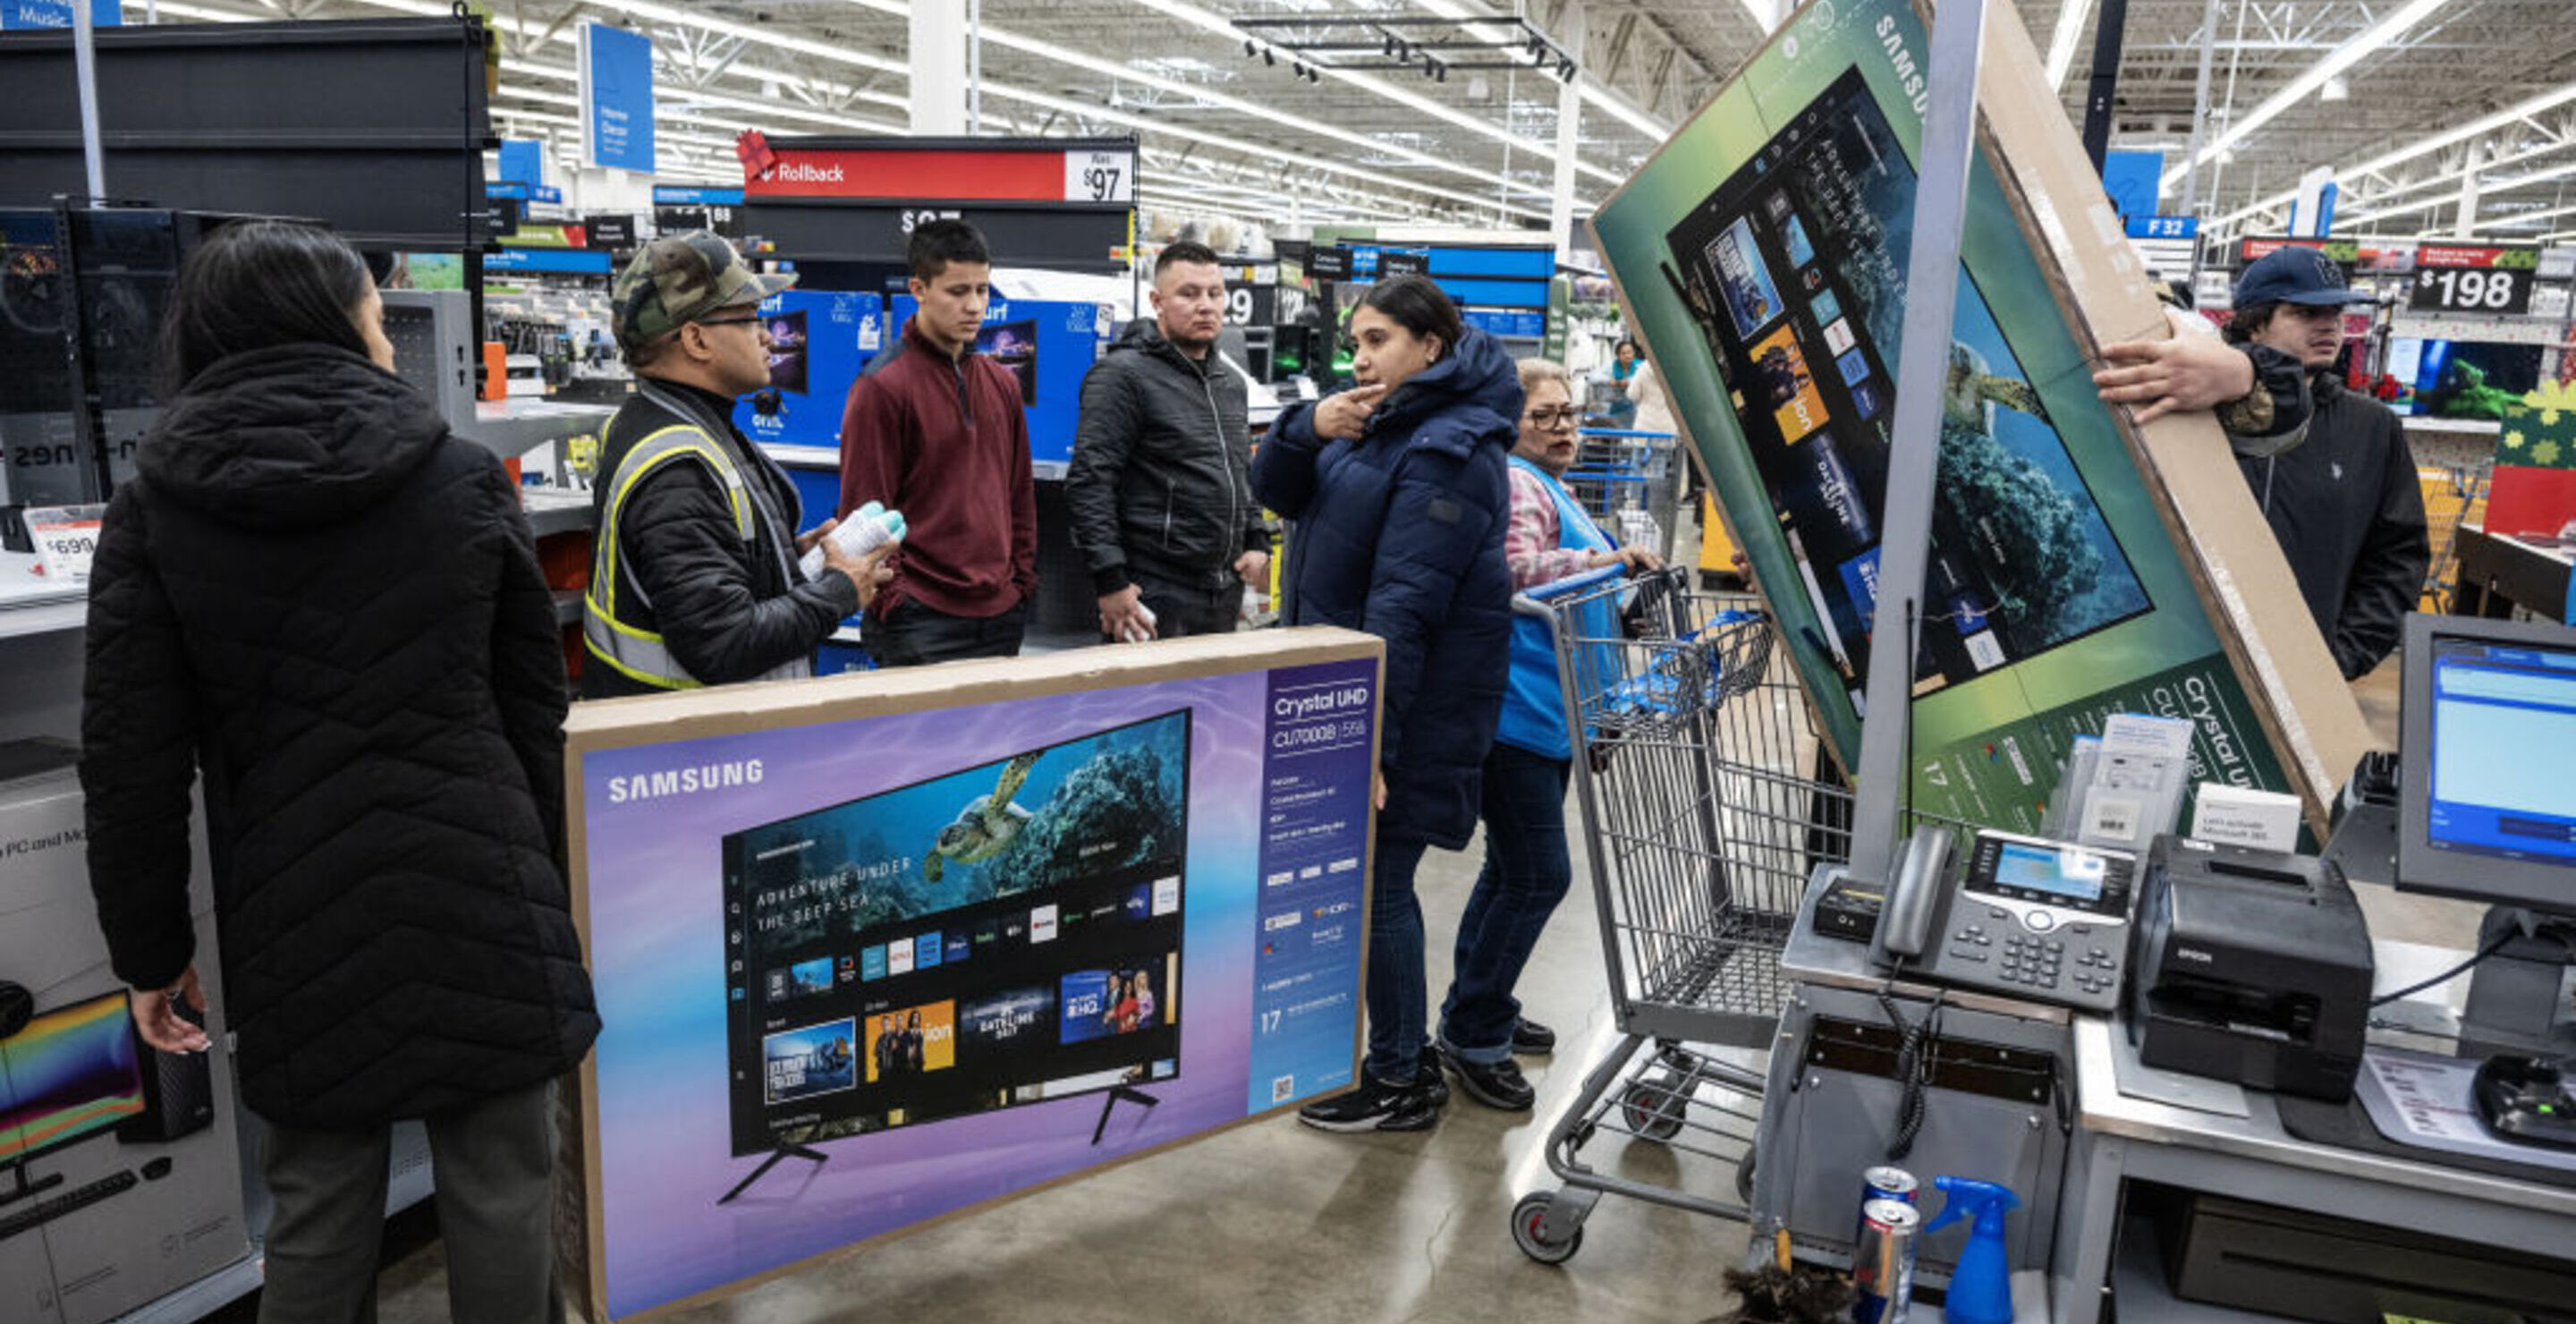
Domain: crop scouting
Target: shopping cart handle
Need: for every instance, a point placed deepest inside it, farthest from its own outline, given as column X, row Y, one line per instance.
column 1535, row 600
column 1628, row 432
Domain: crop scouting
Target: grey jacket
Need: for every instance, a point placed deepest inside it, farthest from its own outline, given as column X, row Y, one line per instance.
column 1159, row 485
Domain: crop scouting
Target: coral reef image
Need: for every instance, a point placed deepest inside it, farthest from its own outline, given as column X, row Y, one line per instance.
column 1072, row 811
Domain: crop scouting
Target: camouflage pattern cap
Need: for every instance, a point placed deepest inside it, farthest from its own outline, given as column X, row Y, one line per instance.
column 682, row 277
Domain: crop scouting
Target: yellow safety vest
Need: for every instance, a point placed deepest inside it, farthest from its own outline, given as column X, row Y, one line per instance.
column 640, row 654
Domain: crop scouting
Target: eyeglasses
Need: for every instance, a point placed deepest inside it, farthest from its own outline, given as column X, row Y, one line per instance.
column 729, row 321
column 1553, row 418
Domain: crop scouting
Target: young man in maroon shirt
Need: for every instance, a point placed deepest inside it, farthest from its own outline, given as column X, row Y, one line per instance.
column 934, row 430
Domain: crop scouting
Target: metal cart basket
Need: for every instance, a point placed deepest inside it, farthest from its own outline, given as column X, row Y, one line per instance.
column 1701, row 825
column 1630, row 482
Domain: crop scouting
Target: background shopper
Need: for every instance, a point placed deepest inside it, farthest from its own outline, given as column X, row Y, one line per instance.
column 316, row 599
column 1159, row 486
column 1398, row 489
column 1527, row 866
column 934, row 429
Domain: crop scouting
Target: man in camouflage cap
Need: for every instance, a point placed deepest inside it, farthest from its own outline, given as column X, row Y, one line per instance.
column 694, row 577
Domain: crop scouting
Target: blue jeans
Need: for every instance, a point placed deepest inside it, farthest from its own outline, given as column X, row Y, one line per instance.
column 1526, row 873
column 1398, row 1000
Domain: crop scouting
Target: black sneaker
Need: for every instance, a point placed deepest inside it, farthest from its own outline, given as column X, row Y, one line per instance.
column 1378, row 1105
column 1528, row 1036
column 1493, row 1084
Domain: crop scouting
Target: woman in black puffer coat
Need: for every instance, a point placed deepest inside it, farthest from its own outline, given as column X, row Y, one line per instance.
column 1399, row 492
column 330, row 608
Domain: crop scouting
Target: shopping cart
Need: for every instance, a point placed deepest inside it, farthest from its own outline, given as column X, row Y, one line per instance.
column 1702, row 823
column 1630, row 482
column 2452, row 497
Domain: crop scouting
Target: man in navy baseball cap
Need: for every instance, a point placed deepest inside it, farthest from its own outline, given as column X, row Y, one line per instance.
column 2329, row 466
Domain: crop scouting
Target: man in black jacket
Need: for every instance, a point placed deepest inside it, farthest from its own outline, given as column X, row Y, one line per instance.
column 2330, row 468
column 694, row 580
column 1159, row 486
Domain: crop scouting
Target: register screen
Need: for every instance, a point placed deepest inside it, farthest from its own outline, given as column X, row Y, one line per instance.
column 2504, row 721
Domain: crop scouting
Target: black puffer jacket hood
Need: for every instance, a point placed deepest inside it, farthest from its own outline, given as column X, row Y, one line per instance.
column 326, row 614
column 292, row 437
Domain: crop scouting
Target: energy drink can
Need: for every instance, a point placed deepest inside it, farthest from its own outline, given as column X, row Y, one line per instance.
column 1883, row 1262
column 1883, row 1183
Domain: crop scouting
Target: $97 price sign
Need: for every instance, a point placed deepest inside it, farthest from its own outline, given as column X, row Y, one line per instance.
column 66, row 539
column 1099, row 177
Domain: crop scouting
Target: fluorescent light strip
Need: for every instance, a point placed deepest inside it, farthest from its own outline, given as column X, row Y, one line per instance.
column 664, row 14
column 2500, row 186
column 2432, row 143
column 2381, row 35
column 1222, row 27
column 1600, row 97
column 2061, row 44
column 2374, row 204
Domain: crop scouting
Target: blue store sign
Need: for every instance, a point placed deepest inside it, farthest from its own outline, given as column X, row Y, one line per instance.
column 617, row 97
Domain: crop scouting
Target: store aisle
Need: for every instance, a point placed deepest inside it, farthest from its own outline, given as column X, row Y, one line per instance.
column 1277, row 1222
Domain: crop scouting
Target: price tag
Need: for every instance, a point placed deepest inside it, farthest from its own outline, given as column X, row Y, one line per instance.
column 2498, row 290
column 66, row 539
column 1099, row 177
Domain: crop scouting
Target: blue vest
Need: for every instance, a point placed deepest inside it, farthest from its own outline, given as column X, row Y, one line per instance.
column 1534, row 702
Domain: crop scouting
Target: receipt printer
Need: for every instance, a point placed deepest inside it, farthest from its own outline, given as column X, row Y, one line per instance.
column 2252, row 966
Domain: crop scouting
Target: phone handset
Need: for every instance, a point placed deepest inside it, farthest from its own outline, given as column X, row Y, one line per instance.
column 1914, row 897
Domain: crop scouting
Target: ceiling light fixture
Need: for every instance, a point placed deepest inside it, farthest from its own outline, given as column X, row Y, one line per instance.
column 2381, row 36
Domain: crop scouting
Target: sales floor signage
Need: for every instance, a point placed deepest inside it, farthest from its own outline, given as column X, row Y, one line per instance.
column 1763, row 255
column 859, row 974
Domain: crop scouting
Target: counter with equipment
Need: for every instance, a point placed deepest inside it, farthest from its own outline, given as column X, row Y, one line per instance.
column 2215, row 1092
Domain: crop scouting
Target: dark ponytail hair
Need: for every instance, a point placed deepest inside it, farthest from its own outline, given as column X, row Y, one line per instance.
column 259, row 284
column 1419, row 305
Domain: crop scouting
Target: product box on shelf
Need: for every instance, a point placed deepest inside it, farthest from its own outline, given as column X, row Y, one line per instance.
column 871, row 950
column 120, row 1170
column 819, row 342
column 2081, row 565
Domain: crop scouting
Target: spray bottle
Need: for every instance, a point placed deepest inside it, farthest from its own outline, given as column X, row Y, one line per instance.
column 1981, row 1287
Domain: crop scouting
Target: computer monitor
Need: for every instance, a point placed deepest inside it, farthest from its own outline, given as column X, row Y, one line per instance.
column 71, row 1074
column 2487, row 806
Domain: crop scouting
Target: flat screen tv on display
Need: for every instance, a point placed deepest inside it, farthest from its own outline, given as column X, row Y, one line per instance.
column 1003, row 934
column 787, row 350
column 1014, row 345
column 2465, row 378
column 1797, row 265
column 69, row 1075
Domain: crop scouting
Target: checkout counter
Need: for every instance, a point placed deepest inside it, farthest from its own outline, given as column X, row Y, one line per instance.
column 2273, row 1114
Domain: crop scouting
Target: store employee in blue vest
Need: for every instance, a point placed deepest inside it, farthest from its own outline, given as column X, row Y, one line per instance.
column 1527, row 868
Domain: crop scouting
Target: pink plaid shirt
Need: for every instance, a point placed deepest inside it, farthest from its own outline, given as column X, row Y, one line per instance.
column 1530, row 541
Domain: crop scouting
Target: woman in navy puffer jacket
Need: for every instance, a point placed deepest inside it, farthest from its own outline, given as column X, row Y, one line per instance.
column 1400, row 495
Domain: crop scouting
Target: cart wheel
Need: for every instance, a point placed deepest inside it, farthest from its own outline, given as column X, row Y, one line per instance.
column 1653, row 1109
column 1744, row 1178
column 1528, row 1218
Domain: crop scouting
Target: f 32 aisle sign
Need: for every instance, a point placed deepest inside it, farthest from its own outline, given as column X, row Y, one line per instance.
column 2459, row 278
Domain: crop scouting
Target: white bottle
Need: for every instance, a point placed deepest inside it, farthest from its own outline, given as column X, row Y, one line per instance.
column 1132, row 634
column 867, row 528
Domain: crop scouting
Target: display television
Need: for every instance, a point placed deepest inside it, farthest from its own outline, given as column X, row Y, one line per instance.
column 1014, row 345
column 69, row 1075
column 1794, row 269
column 999, row 935
column 787, row 365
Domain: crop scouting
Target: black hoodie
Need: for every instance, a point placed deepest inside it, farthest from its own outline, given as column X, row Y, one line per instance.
column 2349, row 515
column 318, row 598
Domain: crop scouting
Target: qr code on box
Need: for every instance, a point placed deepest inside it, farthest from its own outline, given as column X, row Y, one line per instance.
column 1283, row 1088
